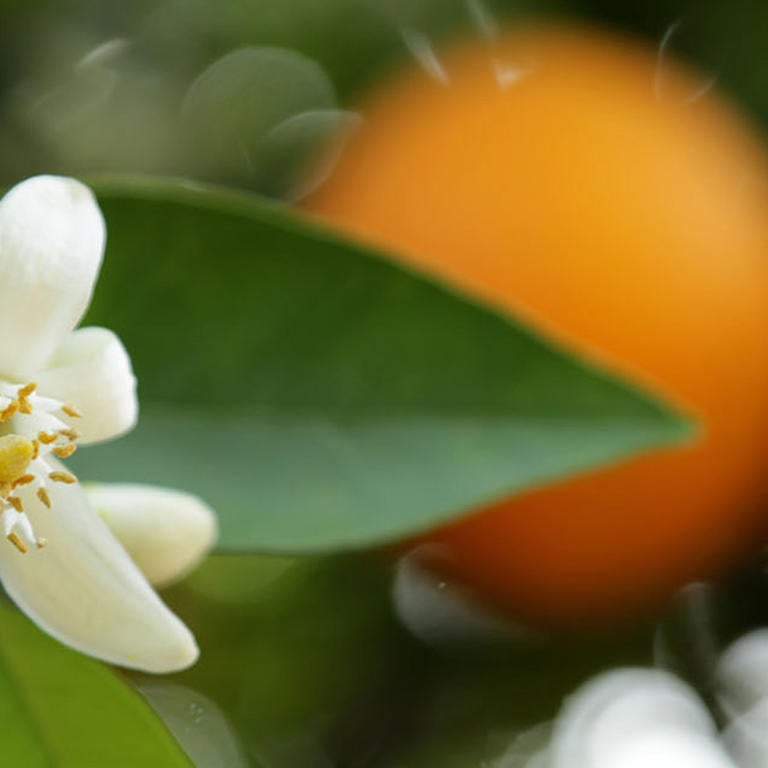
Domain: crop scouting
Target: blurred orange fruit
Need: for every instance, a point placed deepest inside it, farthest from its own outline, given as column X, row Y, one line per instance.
column 582, row 182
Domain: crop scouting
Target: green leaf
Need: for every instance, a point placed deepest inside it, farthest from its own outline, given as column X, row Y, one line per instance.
column 321, row 396
column 62, row 710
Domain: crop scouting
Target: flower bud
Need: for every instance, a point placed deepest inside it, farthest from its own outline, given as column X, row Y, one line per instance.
column 166, row 532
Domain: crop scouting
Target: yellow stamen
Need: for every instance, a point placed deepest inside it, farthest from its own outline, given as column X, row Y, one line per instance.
column 41, row 542
column 9, row 411
column 27, row 389
column 70, row 434
column 16, row 503
column 71, row 410
column 16, row 453
column 43, row 495
column 46, row 438
column 65, row 451
column 36, row 444
column 23, row 480
column 17, row 542
column 24, row 405
column 63, row 477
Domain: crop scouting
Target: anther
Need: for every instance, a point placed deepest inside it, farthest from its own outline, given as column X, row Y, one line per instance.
column 70, row 409
column 17, row 542
column 9, row 411
column 62, row 477
column 23, row 457
column 65, row 451
column 27, row 389
column 41, row 542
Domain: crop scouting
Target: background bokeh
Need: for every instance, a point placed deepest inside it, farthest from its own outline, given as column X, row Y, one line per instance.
column 158, row 87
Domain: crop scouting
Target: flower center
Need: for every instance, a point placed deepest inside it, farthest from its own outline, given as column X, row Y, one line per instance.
column 34, row 430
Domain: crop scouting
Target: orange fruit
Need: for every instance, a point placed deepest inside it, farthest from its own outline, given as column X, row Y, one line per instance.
column 574, row 179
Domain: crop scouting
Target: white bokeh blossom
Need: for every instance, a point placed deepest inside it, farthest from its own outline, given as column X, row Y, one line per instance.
column 636, row 718
column 642, row 718
column 60, row 388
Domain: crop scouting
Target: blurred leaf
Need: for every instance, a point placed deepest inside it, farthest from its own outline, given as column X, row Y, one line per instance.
column 234, row 105
column 286, row 151
column 61, row 710
column 197, row 722
column 320, row 396
column 309, row 669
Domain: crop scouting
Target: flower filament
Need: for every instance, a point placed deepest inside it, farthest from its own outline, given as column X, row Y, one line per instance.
column 35, row 430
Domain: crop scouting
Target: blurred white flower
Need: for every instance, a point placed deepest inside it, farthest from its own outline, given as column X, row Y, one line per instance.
column 61, row 564
column 636, row 718
column 441, row 613
column 742, row 672
column 166, row 532
column 633, row 718
column 742, row 686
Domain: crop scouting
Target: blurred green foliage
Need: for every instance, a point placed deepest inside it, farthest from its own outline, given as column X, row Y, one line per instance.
column 313, row 669
column 89, row 86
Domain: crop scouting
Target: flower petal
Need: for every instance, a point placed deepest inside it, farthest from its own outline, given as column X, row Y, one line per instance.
column 51, row 243
column 166, row 532
column 92, row 369
column 83, row 589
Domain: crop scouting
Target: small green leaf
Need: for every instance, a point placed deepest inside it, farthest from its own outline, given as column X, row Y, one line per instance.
column 62, row 710
column 319, row 395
